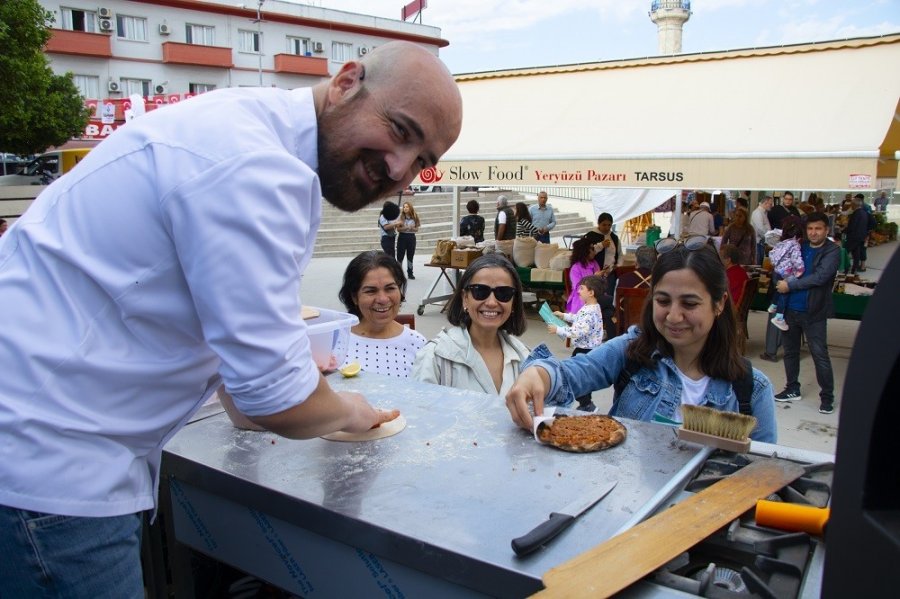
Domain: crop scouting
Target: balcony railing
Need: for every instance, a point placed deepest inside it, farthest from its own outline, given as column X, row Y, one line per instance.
column 81, row 43
column 301, row 65
column 195, row 54
column 670, row 4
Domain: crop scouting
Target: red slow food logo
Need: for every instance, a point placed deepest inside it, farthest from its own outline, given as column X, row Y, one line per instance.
column 431, row 175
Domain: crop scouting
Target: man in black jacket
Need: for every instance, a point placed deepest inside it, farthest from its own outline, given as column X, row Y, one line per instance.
column 859, row 225
column 808, row 309
column 785, row 208
column 505, row 222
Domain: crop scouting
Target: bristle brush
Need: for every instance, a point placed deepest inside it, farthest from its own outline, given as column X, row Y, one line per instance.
column 723, row 430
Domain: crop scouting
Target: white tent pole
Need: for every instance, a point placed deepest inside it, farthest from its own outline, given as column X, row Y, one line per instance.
column 456, row 196
column 676, row 216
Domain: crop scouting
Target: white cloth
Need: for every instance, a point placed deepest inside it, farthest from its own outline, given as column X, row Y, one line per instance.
column 450, row 359
column 166, row 262
column 391, row 357
column 501, row 217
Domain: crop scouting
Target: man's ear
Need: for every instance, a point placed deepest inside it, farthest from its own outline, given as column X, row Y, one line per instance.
column 346, row 82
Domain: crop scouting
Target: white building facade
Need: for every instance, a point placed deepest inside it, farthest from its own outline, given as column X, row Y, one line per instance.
column 166, row 50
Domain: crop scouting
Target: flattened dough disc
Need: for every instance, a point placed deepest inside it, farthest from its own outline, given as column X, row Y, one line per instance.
column 387, row 429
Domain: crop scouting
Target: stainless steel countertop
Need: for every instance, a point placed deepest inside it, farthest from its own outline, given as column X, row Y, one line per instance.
column 446, row 495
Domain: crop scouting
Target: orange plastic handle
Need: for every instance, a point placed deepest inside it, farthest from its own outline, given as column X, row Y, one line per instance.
column 791, row 516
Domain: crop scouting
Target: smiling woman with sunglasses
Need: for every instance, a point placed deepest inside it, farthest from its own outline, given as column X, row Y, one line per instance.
column 685, row 351
column 481, row 351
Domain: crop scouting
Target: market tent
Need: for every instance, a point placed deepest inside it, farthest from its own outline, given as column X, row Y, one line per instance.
column 624, row 204
column 812, row 116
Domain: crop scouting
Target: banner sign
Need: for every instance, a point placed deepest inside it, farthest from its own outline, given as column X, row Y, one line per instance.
column 108, row 114
column 660, row 173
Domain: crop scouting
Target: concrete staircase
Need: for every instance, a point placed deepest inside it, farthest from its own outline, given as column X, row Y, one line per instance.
column 347, row 234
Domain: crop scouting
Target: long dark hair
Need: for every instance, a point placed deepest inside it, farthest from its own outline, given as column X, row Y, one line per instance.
column 390, row 210
column 522, row 211
column 357, row 270
column 456, row 315
column 581, row 252
column 719, row 357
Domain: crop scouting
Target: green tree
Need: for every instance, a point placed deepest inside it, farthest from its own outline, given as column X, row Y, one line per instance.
column 37, row 108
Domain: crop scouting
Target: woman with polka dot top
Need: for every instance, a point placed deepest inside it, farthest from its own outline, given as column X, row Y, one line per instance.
column 373, row 290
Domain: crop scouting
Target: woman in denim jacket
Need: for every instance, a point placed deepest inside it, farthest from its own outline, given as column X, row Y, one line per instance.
column 686, row 347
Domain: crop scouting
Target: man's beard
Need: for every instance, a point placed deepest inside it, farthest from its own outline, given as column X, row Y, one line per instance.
column 336, row 163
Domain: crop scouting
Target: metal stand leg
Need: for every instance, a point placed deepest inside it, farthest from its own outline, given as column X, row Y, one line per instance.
column 435, row 299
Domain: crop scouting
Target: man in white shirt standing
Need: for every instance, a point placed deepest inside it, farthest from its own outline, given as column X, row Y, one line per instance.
column 760, row 222
column 165, row 264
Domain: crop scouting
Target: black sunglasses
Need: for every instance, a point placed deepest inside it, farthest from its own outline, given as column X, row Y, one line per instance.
column 690, row 243
column 504, row 293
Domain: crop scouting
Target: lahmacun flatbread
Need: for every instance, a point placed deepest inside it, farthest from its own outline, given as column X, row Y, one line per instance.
column 591, row 432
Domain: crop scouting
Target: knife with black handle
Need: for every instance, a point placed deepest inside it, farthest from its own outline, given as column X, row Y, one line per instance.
column 558, row 521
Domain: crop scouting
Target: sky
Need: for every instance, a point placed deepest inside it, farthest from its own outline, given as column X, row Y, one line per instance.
column 502, row 34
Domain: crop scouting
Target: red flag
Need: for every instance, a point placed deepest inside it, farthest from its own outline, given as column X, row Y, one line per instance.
column 412, row 8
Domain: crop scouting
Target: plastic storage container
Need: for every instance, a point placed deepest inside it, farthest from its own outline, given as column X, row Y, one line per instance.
column 329, row 335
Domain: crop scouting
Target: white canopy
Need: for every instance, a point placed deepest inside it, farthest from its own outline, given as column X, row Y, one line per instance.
column 624, row 204
column 813, row 116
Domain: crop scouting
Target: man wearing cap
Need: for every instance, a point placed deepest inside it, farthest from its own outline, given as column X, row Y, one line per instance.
column 542, row 217
column 701, row 221
column 505, row 222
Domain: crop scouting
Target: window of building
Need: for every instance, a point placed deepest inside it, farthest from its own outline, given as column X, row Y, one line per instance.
column 76, row 19
column 199, row 88
column 88, row 86
column 248, row 41
column 203, row 35
column 301, row 46
column 131, row 28
column 136, row 86
column 341, row 52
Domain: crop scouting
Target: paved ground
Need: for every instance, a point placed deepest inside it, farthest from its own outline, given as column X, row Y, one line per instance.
column 799, row 423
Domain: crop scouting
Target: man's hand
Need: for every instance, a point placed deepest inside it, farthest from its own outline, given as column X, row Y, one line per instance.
column 531, row 387
column 326, row 411
column 782, row 287
column 365, row 416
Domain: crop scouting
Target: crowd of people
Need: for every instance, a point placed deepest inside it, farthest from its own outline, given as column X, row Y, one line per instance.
column 686, row 342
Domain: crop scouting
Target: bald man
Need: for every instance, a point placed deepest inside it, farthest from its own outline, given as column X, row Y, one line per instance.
column 168, row 263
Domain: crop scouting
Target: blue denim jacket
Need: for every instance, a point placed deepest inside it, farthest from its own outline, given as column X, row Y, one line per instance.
column 652, row 390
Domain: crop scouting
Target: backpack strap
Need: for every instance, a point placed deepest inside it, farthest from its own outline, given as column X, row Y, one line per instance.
column 631, row 367
column 743, row 389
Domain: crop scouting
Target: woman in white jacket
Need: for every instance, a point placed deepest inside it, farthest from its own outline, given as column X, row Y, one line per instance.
column 481, row 351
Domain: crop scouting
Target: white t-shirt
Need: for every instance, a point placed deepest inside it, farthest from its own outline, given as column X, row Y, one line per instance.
column 692, row 392
column 501, row 217
column 391, row 357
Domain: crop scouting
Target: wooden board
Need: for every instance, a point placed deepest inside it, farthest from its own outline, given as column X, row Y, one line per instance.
column 306, row 313
column 628, row 557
